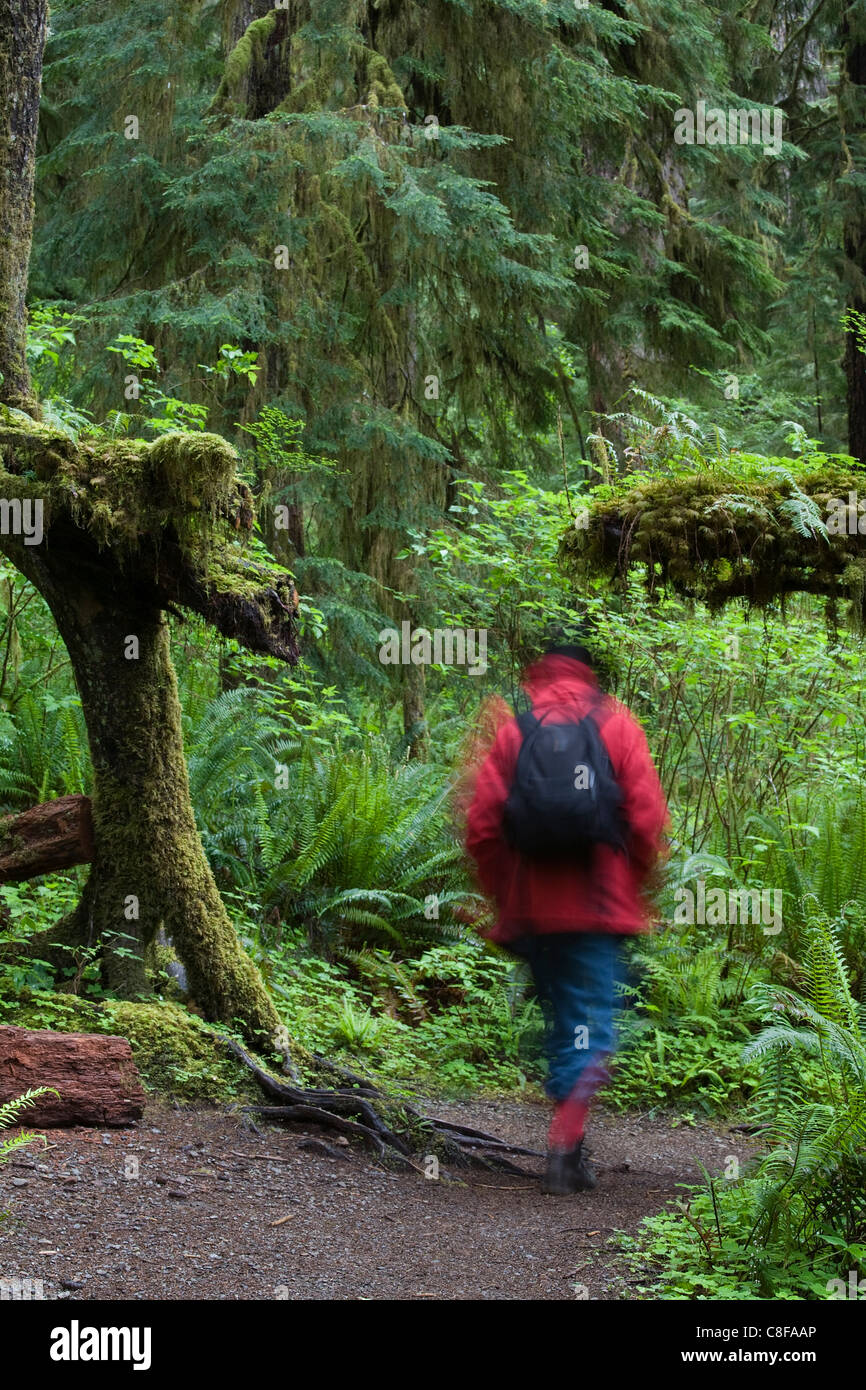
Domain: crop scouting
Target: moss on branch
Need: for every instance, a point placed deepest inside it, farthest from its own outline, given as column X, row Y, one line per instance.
column 720, row 534
column 170, row 516
column 245, row 59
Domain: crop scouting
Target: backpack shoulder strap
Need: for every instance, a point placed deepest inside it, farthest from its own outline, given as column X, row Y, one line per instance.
column 526, row 722
column 600, row 711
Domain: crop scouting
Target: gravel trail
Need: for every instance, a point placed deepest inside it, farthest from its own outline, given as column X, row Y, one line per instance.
column 190, row 1205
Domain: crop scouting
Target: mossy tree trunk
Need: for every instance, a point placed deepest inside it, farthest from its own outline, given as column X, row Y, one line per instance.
column 852, row 98
column 149, row 868
column 266, row 71
column 22, row 26
column 131, row 530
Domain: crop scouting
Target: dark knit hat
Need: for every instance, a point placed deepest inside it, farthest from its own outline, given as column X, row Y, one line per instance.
column 576, row 653
column 569, row 643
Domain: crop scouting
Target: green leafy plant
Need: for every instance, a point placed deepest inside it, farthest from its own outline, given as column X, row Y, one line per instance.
column 358, row 849
column 358, row 1028
column 797, row 1220
column 10, row 1112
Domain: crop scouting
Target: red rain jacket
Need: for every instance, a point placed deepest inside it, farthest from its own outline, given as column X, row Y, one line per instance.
column 542, row 897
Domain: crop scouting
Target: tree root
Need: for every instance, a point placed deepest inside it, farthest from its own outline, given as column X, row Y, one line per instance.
column 355, row 1111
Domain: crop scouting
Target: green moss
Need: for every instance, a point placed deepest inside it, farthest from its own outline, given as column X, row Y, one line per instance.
column 176, row 1054
column 149, row 868
column 853, row 580
column 246, row 54
column 313, row 77
column 147, row 842
column 196, row 471
column 20, row 62
column 383, row 87
column 227, row 573
column 719, row 534
column 158, row 959
column 125, row 490
column 57, row 1012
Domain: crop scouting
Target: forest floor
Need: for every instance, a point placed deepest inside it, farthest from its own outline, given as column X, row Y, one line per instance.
column 219, row 1212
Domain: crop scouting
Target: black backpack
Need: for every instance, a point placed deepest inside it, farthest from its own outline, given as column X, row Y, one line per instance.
column 564, row 799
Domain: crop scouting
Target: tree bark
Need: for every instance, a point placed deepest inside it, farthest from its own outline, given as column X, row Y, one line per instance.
column 22, row 36
column 56, row 835
column 854, row 93
column 414, row 712
column 149, row 867
column 609, row 378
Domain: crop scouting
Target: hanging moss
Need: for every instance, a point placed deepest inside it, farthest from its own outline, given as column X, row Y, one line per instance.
column 313, row 77
column 718, row 535
column 247, row 54
column 383, row 89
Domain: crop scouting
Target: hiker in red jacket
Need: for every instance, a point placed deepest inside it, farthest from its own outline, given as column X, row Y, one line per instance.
column 565, row 842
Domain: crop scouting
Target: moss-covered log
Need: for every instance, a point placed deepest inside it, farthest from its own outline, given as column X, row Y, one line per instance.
column 721, row 533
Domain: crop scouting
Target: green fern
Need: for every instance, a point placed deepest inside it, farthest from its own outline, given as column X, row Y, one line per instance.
column 10, row 1112
column 819, row 868
column 812, row 1099
column 43, row 747
column 363, row 845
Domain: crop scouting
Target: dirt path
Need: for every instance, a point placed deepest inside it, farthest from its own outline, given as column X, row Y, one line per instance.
column 219, row 1213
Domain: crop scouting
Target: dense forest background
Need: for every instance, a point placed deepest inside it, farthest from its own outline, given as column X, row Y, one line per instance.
column 446, row 279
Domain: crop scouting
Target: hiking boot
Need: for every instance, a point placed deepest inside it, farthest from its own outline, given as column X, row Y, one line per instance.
column 583, row 1174
column 567, row 1171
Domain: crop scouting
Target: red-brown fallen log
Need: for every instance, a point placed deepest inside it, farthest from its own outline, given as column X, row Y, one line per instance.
column 95, row 1075
column 52, row 836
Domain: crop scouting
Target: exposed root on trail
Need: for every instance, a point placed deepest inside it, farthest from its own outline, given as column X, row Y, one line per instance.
column 358, row 1109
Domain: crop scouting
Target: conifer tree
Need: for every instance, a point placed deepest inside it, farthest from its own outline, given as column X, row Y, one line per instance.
column 391, row 205
column 806, row 60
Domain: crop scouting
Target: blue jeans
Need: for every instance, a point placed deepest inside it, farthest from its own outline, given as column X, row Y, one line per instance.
column 575, row 976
